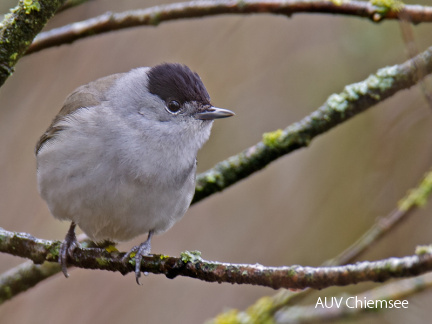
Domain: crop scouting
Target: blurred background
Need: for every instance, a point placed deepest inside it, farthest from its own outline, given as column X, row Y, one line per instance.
column 303, row 209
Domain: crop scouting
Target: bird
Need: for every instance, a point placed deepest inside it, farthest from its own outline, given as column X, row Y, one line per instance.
column 119, row 159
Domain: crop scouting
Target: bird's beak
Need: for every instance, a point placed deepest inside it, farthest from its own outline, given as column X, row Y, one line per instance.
column 214, row 113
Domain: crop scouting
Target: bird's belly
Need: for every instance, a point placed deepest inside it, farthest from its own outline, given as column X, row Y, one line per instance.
column 116, row 208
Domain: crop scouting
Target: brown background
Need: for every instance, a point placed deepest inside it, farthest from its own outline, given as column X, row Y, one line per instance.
column 302, row 209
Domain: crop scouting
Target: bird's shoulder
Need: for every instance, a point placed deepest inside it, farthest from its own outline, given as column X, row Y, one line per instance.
column 85, row 96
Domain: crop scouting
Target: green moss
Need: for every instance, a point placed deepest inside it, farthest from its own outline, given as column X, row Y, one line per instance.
column 163, row 257
column 53, row 252
column 423, row 249
column 373, row 86
column 30, row 5
column 211, row 178
column 386, row 5
column 339, row 102
column 261, row 311
column 111, row 248
column 6, row 292
column 190, row 256
column 272, row 139
column 155, row 19
column 417, row 196
column 102, row 262
column 229, row 317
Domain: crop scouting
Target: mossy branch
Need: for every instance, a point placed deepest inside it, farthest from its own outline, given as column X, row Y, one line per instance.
column 338, row 108
column 18, row 29
column 190, row 264
column 24, row 277
column 197, row 9
column 354, row 99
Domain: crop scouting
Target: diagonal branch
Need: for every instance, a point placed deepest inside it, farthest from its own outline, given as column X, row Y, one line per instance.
column 415, row 198
column 190, row 264
column 197, row 9
column 25, row 276
column 338, row 108
column 18, row 29
column 393, row 291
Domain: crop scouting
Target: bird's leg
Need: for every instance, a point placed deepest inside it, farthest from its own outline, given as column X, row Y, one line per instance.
column 67, row 247
column 140, row 251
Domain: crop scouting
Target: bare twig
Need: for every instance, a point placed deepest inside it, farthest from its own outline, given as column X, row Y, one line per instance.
column 412, row 49
column 70, row 4
column 196, row 9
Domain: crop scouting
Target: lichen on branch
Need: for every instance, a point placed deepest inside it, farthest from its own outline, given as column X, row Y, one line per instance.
column 18, row 29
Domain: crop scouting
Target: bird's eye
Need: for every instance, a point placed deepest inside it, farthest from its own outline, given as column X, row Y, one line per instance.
column 173, row 106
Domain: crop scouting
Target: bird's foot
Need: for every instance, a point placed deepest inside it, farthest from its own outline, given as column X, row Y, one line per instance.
column 140, row 251
column 67, row 247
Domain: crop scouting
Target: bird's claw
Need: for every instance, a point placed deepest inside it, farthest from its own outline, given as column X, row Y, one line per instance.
column 67, row 248
column 140, row 251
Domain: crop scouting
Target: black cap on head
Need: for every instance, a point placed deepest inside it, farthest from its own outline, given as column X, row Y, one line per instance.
column 171, row 81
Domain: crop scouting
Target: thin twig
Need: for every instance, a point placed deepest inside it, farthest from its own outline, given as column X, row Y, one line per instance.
column 412, row 49
column 70, row 4
column 197, row 9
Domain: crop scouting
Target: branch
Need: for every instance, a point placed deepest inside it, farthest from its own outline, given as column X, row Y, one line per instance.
column 415, row 198
column 393, row 291
column 338, row 108
column 18, row 29
column 198, row 9
column 25, row 276
column 190, row 264
column 70, row 4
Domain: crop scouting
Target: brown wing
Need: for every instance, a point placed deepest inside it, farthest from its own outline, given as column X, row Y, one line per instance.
column 88, row 95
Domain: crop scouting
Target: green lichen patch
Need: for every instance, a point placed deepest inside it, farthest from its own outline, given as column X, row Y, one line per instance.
column 31, row 5
column 423, row 249
column 102, row 262
column 164, row 257
column 386, row 5
column 417, row 196
column 190, row 256
column 229, row 317
column 111, row 248
column 261, row 311
column 272, row 139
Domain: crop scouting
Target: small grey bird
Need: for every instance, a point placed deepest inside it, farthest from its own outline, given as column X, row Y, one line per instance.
column 119, row 160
